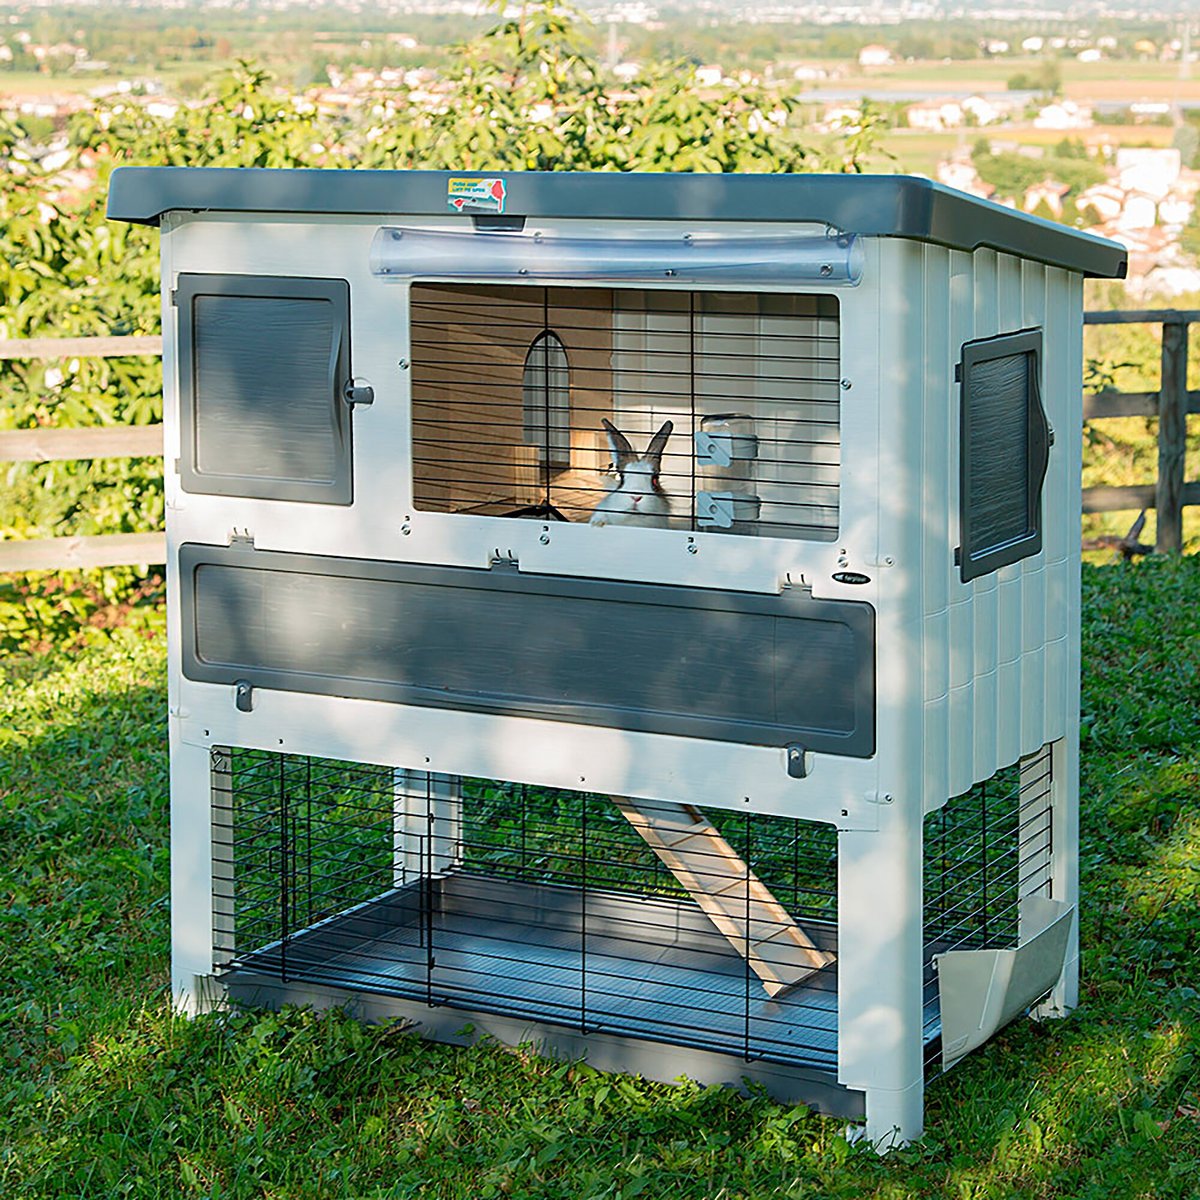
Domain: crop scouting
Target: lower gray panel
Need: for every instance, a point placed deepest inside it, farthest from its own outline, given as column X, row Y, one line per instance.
column 727, row 666
column 659, row 1061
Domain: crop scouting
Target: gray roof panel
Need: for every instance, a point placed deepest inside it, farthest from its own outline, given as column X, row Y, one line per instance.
column 872, row 205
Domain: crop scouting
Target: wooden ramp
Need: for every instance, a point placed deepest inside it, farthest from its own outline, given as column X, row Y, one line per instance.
column 733, row 898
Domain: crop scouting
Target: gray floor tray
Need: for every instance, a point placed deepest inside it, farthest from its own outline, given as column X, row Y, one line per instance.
column 595, row 962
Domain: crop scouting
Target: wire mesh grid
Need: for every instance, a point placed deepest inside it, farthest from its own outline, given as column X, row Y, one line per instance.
column 985, row 851
column 713, row 930
column 511, row 387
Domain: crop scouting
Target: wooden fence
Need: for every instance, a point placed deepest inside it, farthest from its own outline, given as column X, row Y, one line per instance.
column 57, row 445
column 1171, row 404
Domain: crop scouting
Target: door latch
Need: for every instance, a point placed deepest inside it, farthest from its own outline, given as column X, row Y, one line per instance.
column 358, row 393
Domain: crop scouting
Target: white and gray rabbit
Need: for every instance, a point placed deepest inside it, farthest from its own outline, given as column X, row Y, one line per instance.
column 638, row 498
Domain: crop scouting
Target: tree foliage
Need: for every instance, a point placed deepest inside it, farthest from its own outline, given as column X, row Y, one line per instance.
column 1013, row 174
column 1046, row 79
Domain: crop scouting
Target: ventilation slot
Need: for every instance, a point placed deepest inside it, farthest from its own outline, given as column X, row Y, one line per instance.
column 1005, row 451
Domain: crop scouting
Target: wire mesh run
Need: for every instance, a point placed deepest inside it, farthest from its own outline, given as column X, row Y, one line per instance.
column 985, row 851
column 512, row 386
column 705, row 929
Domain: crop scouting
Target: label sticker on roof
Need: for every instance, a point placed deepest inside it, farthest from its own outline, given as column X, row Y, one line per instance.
column 476, row 195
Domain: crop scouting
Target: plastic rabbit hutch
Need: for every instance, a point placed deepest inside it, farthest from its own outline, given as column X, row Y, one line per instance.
column 633, row 614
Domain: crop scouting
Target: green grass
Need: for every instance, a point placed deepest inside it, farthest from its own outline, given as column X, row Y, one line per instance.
column 103, row 1093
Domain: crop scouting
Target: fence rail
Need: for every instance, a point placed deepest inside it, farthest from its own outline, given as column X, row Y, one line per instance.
column 73, row 553
column 1168, row 495
column 149, row 345
column 61, row 445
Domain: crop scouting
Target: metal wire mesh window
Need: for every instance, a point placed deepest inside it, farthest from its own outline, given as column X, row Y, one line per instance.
column 985, row 851
column 545, row 904
column 546, row 396
column 749, row 382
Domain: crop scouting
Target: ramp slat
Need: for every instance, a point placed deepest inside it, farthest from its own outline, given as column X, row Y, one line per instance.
column 733, row 898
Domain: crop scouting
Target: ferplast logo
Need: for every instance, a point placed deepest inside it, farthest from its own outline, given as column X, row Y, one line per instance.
column 475, row 195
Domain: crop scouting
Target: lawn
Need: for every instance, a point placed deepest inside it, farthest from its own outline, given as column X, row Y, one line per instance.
column 104, row 1093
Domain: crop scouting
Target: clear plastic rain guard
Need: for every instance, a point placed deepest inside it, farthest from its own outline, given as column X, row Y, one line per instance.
column 827, row 257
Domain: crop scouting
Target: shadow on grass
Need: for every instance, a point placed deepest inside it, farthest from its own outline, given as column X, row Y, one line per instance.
column 83, row 860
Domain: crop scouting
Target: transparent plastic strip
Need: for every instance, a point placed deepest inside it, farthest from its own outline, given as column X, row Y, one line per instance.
column 834, row 259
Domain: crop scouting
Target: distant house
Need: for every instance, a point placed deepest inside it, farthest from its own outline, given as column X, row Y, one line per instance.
column 960, row 173
column 1140, row 211
column 875, row 56
column 1150, row 110
column 983, row 112
column 1157, row 267
column 1104, row 199
column 1049, row 192
column 1063, row 114
column 60, row 50
column 841, row 118
column 1172, row 279
column 334, row 100
column 1175, row 211
column 1152, row 171
column 936, row 115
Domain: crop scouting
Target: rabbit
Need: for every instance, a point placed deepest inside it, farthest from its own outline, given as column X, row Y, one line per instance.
column 638, row 498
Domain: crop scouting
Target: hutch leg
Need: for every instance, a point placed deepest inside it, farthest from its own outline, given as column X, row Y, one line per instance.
column 195, row 843
column 426, row 824
column 880, row 946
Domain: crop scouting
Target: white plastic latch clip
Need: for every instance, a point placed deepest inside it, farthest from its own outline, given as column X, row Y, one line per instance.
column 720, row 509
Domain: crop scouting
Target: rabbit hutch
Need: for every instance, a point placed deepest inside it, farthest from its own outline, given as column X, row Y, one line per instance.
column 635, row 615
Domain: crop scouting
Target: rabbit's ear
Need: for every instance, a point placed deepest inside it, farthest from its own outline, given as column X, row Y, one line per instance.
column 658, row 443
column 622, row 451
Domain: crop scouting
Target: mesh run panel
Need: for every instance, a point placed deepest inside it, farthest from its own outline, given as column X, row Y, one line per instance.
column 551, row 905
column 985, row 851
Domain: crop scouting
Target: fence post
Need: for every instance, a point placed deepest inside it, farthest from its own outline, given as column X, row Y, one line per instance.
column 1172, row 435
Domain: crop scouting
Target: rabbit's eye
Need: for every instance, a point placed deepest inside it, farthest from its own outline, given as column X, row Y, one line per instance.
column 654, row 480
